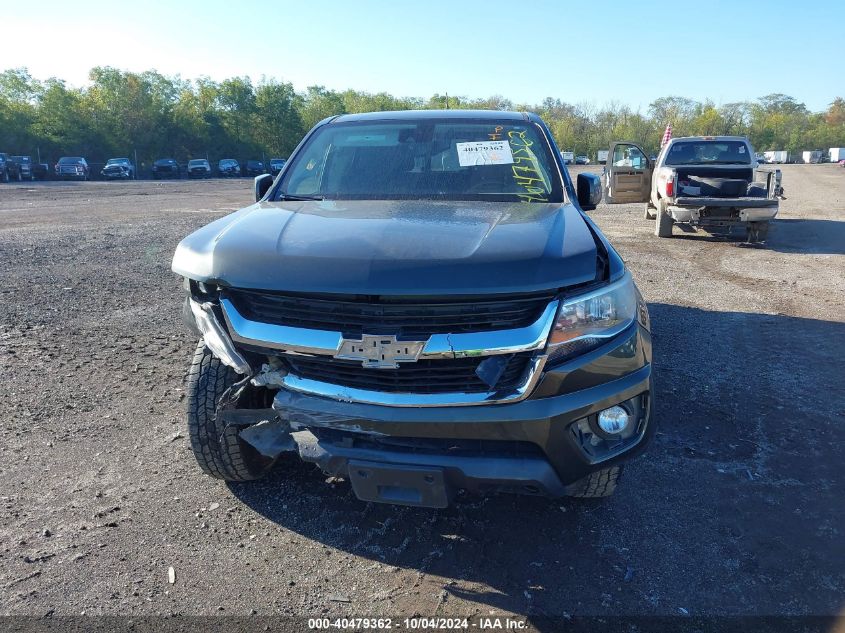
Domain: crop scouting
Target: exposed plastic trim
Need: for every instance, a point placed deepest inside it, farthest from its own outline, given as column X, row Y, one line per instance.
column 216, row 338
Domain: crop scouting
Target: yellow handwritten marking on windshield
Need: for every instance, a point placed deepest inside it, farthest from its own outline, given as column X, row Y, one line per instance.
column 526, row 172
column 497, row 133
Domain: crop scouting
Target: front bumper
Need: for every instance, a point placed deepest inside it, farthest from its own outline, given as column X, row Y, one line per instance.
column 541, row 443
column 536, row 446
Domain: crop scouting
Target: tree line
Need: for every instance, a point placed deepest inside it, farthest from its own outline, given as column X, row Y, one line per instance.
column 155, row 115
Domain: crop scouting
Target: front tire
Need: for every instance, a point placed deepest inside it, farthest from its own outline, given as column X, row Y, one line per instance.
column 217, row 447
column 601, row 483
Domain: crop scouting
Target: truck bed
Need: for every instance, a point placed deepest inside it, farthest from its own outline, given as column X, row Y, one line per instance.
column 705, row 171
column 724, row 187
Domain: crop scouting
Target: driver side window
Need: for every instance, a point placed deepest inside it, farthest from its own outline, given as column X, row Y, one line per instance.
column 629, row 156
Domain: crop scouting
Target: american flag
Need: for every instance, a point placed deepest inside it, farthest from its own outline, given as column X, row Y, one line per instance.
column 667, row 135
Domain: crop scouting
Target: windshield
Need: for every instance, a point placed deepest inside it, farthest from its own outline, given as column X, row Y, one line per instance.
column 70, row 160
column 197, row 162
column 277, row 161
column 21, row 159
column 228, row 161
column 708, row 153
column 165, row 161
column 462, row 159
column 117, row 161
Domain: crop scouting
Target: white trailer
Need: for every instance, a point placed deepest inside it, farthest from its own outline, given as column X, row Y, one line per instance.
column 777, row 156
column 601, row 158
column 837, row 154
column 812, row 157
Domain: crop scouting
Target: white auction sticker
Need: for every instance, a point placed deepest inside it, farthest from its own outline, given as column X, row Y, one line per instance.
column 484, row 153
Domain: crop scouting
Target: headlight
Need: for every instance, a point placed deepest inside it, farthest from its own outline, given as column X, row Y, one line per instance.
column 587, row 321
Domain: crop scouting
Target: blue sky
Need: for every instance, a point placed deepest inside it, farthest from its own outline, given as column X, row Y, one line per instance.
column 581, row 52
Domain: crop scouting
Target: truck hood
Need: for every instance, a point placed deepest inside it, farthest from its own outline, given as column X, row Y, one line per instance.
column 393, row 247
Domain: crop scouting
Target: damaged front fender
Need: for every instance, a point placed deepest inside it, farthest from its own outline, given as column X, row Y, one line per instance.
column 216, row 338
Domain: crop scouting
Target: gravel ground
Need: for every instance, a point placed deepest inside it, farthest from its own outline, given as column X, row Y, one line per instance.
column 736, row 509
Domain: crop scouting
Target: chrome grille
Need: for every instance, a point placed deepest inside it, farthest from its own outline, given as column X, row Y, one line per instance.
column 457, row 375
column 411, row 317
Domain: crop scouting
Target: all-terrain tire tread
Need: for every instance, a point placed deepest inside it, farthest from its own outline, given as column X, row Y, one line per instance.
column 217, row 448
column 601, row 483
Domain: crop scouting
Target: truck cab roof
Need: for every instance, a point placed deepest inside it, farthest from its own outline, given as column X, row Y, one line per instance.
column 708, row 138
column 393, row 115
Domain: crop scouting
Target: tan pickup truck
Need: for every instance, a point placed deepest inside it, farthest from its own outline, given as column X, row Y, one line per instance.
column 708, row 182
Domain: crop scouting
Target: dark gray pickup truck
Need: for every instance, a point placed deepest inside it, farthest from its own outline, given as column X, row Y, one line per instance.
column 417, row 303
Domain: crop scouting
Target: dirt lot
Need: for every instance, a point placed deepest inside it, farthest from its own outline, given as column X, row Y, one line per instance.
column 736, row 509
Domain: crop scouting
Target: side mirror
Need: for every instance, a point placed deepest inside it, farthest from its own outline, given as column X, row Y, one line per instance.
column 262, row 185
column 588, row 187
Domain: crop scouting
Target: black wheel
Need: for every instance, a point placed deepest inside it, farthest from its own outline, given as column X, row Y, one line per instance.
column 757, row 232
column 601, row 483
column 663, row 225
column 217, row 447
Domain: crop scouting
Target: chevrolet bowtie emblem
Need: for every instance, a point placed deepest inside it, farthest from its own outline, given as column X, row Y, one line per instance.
column 380, row 352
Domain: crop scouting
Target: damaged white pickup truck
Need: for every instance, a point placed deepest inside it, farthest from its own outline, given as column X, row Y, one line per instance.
column 708, row 182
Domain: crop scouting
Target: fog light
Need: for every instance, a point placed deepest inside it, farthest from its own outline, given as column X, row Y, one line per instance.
column 613, row 420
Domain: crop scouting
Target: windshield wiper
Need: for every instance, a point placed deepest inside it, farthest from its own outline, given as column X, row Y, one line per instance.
column 294, row 197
